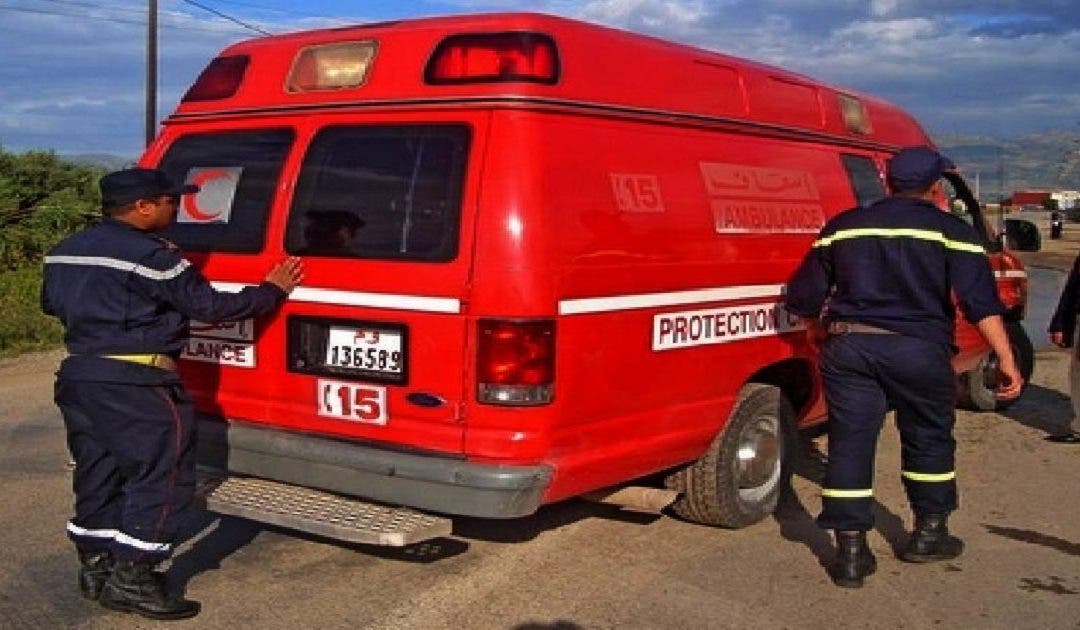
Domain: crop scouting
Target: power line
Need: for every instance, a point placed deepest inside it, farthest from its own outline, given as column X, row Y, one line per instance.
column 262, row 7
column 95, row 5
column 227, row 17
column 105, row 18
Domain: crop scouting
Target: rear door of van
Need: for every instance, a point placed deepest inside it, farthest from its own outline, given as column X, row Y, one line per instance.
column 380, row 208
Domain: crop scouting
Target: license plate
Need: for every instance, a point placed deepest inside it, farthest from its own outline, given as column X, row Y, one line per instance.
column 356, row 402
column 370, row 350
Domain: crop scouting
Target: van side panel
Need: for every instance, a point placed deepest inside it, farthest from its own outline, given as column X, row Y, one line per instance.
column 616, row 208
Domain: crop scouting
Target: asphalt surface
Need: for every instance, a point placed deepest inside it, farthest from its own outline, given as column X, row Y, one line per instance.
column 580, row 565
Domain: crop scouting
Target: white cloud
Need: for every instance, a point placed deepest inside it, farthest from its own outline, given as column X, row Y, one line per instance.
column 956, row 64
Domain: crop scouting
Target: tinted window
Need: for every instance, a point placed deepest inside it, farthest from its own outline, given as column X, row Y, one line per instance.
column 380, row 192
column 238, row 172
column 865, row 179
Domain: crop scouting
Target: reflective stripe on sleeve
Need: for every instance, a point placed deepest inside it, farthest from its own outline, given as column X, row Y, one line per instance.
column 922, row 235
column 928, row 477
column 122, row 265
column 834, row 493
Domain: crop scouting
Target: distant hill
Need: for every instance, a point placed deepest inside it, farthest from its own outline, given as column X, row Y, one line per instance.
column 1048, row 160
column 100, row 160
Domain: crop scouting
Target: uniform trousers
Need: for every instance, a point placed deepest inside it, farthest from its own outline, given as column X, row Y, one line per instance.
column 864, row 375
column 133, row 447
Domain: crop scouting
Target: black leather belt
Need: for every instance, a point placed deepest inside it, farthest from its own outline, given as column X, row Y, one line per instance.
column 845, row 328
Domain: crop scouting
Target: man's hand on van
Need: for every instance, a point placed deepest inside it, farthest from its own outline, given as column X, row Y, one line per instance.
column 286, row 274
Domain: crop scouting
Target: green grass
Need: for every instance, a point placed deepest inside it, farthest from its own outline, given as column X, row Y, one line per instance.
column 23, row 327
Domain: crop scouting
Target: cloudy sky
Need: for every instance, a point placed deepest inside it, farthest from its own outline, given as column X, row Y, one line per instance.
column 72, row 71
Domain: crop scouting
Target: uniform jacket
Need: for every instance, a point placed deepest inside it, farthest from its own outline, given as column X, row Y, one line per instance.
column 895, row 265
column 120, row 290
column 1064, row 319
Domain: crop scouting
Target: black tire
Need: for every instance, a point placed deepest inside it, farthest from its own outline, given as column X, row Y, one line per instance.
column 716, row 490
column 978, row 384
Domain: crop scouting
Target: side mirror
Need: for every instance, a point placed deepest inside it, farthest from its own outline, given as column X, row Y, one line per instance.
column 1022, row 236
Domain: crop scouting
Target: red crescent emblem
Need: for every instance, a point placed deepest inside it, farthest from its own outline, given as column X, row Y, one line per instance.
column 191, row 205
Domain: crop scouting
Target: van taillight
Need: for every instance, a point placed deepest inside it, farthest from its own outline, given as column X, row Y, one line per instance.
column 516, row 362
column 494, row 57
column 1012, row 282
column 218, row 80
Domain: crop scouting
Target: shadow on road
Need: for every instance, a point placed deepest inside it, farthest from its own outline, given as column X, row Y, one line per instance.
column 210, row 537
column 798, row 525
column 1043, row 409
column 547, row 518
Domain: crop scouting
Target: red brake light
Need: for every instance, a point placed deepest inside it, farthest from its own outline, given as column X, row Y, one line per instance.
column 1012, row 281
column 494, row 57
column 220, row 79
column 516, row 362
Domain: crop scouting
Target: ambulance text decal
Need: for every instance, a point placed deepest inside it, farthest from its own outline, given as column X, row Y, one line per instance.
column 754, row 200
column 227, row 343
column 721, row 325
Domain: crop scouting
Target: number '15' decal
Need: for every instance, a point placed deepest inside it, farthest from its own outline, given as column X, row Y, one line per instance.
column 357, row 402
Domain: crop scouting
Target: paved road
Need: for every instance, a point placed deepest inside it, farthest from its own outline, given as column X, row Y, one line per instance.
column 1044, row 290
column 579, row 565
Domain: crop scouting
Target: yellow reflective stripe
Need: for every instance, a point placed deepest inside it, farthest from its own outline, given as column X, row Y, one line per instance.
column 922, row 235
column 846, row 494
column 928, row 477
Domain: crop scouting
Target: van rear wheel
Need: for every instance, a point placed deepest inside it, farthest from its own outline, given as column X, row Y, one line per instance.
column 737, row 482
column 978, row 384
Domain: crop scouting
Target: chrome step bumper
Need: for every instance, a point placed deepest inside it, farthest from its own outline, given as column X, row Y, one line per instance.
column 321, row 513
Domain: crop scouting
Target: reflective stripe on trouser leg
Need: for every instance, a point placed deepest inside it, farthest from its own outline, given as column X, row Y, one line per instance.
column 923, row 389
column 857, row 407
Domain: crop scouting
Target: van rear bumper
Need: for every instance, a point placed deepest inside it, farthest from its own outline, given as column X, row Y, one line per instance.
column 426, row 482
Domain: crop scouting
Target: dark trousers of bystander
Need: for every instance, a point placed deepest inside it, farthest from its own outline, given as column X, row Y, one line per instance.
column 133, row 447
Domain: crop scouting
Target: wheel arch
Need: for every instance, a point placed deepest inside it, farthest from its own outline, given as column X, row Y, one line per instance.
column 794, row 377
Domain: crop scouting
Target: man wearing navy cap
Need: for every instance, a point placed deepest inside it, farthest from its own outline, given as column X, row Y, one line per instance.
column 125, row 297
column 876, row 291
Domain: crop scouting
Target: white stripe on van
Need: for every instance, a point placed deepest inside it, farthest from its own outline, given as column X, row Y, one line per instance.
column 1012, row 273
column 360, row 298
column 674, row 298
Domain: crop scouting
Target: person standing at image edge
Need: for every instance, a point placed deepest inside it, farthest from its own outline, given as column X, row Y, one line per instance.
column 875, row 291
column 125, row 297
column 1063, row 329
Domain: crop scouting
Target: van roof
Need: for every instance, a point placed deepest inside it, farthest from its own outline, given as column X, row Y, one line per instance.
column 602, row 71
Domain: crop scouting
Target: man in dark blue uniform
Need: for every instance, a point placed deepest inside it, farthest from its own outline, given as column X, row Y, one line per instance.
column 125, row 297
column 877, row 287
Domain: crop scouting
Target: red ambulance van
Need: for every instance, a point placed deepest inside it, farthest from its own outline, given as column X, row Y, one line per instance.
column 543, row 257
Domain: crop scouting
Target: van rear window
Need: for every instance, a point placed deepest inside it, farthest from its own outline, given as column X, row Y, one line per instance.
column 380, row 192
column 865, row 179
column 238, row 173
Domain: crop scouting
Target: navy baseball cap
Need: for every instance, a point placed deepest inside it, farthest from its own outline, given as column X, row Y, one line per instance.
column 131, row 184
column 916, row 168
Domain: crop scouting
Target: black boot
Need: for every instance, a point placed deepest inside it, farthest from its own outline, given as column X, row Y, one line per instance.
column 853, row 560
column 133, row 587
column 931, row 540
column 94, row 570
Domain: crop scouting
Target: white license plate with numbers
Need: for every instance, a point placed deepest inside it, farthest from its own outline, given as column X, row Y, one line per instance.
column 357, row 402
column 370, row 350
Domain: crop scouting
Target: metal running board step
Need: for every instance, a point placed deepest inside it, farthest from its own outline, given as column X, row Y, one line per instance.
column 322, row 513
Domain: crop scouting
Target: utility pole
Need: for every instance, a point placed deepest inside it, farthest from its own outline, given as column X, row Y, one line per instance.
column 151, row 71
